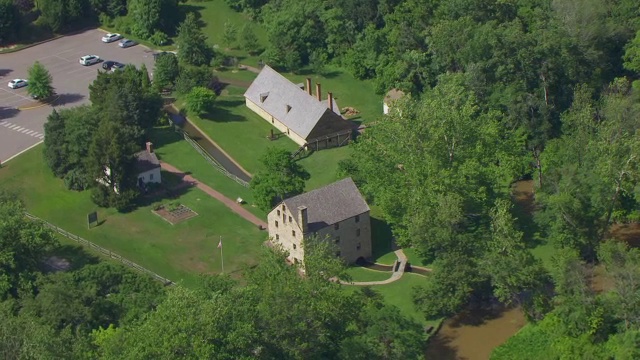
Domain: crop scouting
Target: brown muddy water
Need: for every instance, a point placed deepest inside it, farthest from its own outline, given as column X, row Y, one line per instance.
column 472, row 335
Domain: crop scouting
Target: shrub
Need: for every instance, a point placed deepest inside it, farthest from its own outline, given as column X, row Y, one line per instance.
column 159, row 38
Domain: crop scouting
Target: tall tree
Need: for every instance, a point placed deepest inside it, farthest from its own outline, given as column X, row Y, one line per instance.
column 23, row 246
column 165, row 71
column 55, row 153
column 10, row 21
column 230, row 33
column 40, row 86
column 248, row 39
column 112, row 164
column 192, row 44
column 282, row 177
column 200, row 100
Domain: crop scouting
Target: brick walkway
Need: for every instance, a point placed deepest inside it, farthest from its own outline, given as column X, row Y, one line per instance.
column 231, row 204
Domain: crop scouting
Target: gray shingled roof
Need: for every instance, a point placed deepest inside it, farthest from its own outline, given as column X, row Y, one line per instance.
column 305, row 110
column 330, row 204
column 146, row 161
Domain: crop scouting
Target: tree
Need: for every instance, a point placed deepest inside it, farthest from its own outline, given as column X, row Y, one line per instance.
column 248, row 39
column 192, row 44
column 165, row 70
column 230, row 33
column 39, row 82
column 192, row 76
column 151, row 16
column 23, row 246
column 55, row 154
column 200, row 100
column 112, row 162
column 508, row 263
column 282, row 177
column 623, row 266
column 10, row 21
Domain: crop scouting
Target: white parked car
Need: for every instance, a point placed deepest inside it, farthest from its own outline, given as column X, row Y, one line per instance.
column 89, row 60
column 111, row 37
column 125, row 43
column 18, row 83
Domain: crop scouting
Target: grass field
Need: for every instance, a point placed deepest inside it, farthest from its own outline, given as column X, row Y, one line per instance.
column 179, row 252
column 359, row 273
column 173, row 149
column 399, row 293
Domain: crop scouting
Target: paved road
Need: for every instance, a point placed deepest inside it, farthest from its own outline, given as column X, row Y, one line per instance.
column 21, row 129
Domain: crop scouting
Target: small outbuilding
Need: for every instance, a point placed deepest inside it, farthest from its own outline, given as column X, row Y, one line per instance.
column 392, row 96
column 147, row 166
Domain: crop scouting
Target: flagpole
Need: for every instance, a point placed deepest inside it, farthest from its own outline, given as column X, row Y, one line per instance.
column 221, row 257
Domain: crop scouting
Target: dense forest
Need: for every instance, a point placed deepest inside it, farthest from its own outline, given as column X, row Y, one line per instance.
column 497, row 91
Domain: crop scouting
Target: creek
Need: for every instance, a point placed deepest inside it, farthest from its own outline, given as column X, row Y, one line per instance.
column 474, row 333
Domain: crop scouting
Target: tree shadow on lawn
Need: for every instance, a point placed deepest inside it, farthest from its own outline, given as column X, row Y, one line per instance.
column 76, row 255
column 164, row 135
column 164, row 193
column 185, row 9
column 8, row 112
column 221, row 114
column 381, row 238
column 327, row 74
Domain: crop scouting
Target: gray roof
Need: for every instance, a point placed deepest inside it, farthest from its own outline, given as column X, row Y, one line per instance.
column 288, row 103
column 330, row 204
column 146, row 161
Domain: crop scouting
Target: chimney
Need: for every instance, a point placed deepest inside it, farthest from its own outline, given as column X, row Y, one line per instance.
column 330, row 101
column 149, row 147
column 303, row 219
column 309, row 86
column 318, row 93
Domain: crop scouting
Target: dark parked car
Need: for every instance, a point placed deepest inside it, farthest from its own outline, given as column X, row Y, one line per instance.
column 111, row 65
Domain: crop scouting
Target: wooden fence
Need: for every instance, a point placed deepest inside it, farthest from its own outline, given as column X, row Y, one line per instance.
column 99, row 248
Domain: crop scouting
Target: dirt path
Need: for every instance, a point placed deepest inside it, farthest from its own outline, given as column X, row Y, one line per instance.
column 402, row 259
column 235, row 207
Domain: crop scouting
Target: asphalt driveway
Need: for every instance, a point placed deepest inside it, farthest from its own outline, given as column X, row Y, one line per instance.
column 21, row 123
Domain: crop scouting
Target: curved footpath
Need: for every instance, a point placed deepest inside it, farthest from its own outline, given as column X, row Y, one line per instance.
column 235, row 207
column 397, row 274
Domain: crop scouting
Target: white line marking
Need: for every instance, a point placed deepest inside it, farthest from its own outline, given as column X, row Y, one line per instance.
column 24, row 131
column 30, row 132
column 13, row 126
column 22, row 152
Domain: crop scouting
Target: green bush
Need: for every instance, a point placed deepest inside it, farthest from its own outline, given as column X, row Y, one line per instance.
column 159, row 38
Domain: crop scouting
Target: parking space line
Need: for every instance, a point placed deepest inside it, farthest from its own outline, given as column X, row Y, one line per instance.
column 20, row 129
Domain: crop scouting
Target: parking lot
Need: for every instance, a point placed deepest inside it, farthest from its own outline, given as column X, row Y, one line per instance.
column 21, row 119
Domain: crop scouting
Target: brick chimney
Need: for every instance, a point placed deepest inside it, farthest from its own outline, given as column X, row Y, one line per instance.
column 330, row 101
column 149, row 147
column 318, row 92
column 309, row 86
column 303, row 219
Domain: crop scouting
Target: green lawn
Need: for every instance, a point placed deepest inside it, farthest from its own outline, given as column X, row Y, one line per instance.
column 359, row 273
column 179, row 252
column 399, row 293
column 173, row 149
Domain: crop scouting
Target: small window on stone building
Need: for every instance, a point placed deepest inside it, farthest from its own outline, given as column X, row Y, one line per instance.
column 283, row 208
column 290, row 219
column 150, row 176
column 337, row 241
column 293, row 233
column 358, row 246
column 357, row 232
column 276, row 223
column 277, row 237
column 294, row 246
column 336, row 226
column 278, row 212
column 357, row 218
